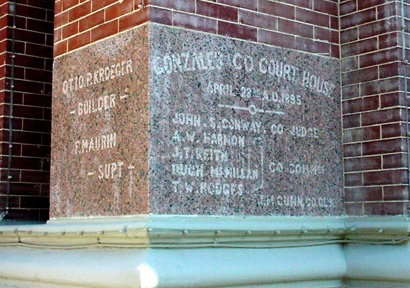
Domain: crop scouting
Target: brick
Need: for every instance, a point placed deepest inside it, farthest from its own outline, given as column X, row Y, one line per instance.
column 361, row 75
column 19, row 72
column 391, row 99
column 26, row 112
column 354, row 209
column 353, row 179
column 393, row 130
column 334, row 22
column 16, row 149
column 382, row 116
column 118, row 10
column 194, row 22
column 363, row 163
column 161, row 16
column 35, row 176
column 326, row 7
column 43, row 51
column 237, row 31
column 47, row 116
column 362, row 194
column 384, row 146
column 360, row 105
column 21, row 23
column 359, row 47
column 361, row 134
column 388, row 40
column 325, row 34
column 250, row 5
column 27, row 86
column 91, row 20
column 276, row 9
column 23, row 189
column 351, row 121
column 350, row 63
column 58, row 6
column 38, row 75
column 100, row 4
column 385, row 177
column 380, row 57
column 40, row 26
column 387, row 10
column 26, row 163
column 79, row 40
column 35, row 151
column 377, row 28
column 347, row 7
column 50, row 16
column 79, row 11
column 37, row 125
column 27, row 214
column 311, row 17
column 295, row 28
column 16, row 123
column 34, row 202
column 350, row 92
column 381, row 86
column 369, row 3
column 406, row 24
column 396, row 193
column 179, row 5
column 29, row 61
column 45, row 189
column 70, row 30
column 61, row 19
column 134, row 19
column 14, row 201
column 24, row 137
column 389, row 70
column 398, row 160
column 49, row 40
column 18, row 97
column 67, row 4
column 275, row 38
column 31, row 12
column 386, row 208
column 358, row 18
column 37, row 100
column 15, row 174
column 30, row 36
column 217, row 11
column 104, row 31
column 258, row 20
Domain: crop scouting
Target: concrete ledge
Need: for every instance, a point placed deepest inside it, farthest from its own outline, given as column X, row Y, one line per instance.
column 180, row 251
column 378, row 262
column 173, row 267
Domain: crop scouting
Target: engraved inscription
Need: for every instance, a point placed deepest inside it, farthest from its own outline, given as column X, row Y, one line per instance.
column 250, row 130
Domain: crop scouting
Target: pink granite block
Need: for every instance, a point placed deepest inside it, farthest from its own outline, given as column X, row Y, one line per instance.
column 170, row 121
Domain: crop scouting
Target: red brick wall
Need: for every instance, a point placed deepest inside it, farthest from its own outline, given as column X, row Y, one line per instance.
column 79, row 22
column 33, row 48
column 375, row 146
column 310, row 26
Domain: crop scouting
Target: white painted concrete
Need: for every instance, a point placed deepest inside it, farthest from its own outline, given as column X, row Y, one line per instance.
column 148, row 268
column 170, row 251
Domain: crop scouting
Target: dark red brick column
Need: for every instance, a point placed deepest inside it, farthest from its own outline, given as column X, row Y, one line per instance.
column 29, row 193
column 374, row 119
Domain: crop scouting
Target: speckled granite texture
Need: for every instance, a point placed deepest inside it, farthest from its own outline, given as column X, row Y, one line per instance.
column 242, row 128
column 232, row 128
column 100, row 129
